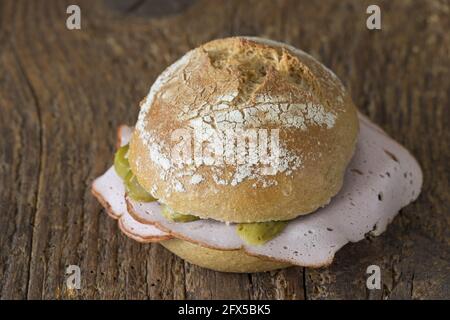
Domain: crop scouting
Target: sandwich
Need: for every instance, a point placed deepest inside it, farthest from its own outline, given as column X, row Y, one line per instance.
column 249, row 155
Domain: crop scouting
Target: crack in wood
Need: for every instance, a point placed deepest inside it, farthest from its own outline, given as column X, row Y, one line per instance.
column 135, row 6
column 305, row 289
column 41, row 154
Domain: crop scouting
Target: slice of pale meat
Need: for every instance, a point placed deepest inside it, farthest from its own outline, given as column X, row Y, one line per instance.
column 382, row 178
column 110, row 192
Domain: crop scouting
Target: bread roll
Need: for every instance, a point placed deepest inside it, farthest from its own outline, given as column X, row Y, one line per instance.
column 220, row 260
column 244, row 84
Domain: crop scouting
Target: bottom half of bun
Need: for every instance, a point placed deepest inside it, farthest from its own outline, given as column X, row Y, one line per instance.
column 220, row 260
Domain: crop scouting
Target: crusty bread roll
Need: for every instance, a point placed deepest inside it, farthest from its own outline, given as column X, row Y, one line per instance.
column 220, row 260
column 239, row 84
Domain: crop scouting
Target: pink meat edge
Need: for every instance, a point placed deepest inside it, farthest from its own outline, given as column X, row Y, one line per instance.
column 142, row 239
column 104, row 204
column 103, row 200
column 123, row 135
column 143, row 231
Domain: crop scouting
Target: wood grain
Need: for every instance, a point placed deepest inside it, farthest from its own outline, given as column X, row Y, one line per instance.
column 63, row 93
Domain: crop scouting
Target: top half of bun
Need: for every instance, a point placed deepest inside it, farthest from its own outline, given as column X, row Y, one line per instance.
column 243, row 84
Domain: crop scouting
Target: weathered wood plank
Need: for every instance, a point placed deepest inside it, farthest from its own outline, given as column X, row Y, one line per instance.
column 20, row 154
column 63, row 93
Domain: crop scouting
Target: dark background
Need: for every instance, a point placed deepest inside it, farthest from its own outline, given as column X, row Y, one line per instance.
column 63, row 93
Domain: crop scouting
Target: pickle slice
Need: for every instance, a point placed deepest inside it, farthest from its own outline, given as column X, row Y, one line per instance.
column 260, row 232
column 121, row 164
column 177, row 217
column 134, row 190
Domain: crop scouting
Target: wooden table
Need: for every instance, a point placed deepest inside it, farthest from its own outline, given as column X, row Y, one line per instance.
column 63, row 93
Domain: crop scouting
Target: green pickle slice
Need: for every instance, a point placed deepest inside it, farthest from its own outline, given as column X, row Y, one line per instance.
column 260, row 232
column 174, row 216
column 135, row 190
column 121, row 164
